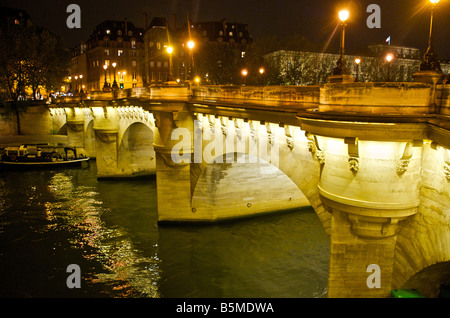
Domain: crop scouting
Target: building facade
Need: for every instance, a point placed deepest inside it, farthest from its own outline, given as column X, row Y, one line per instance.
column 113, row 54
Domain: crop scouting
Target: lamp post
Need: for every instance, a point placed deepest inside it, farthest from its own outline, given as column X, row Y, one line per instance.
column 81, row 84
column 357, row 61
column 340, row 68
column 191, row 46
column 76, row 84
column 261, row 72
column 244, row 73
column 114, row 86
column 170, row 51
column 429, row 62
column 105, row 85
column 389, row 58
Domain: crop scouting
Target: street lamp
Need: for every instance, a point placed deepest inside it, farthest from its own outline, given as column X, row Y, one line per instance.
column 261, row 72
column 244, row 73
column 429, row 62
column 170, row 51
column 389, row 58
column 340, row 68
column 105, row 85
column 81, row 84
column 191, row 46
column 114, row 86
column 76, row 84
column 357, row 61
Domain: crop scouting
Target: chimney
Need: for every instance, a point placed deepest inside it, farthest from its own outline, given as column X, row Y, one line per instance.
column 145, row 21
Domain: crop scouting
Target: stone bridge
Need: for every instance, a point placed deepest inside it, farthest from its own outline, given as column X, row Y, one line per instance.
column 372, row 159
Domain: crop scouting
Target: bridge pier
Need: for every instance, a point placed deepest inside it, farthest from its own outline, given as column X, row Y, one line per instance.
column 369, row 186
column 173, row 178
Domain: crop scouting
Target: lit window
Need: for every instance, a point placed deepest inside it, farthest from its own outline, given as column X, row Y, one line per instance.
column 108, row 31
column 106, row 51
column 133, row 44
column 133, row 63
column 158, row 45
column 230, row 34
column 119, row 52
column 166, row 64
column 158, row 64
column 134, row 76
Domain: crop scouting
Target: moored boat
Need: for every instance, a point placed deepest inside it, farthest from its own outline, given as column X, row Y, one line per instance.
column 31, row 156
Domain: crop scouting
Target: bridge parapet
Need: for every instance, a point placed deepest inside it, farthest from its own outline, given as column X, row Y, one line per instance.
column 380, row 98
column 259, row 94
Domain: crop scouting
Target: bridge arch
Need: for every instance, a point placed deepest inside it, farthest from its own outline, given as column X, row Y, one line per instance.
column 294, row 168
column 136, row 154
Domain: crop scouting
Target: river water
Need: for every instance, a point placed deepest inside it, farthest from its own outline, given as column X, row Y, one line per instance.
column 50, row 219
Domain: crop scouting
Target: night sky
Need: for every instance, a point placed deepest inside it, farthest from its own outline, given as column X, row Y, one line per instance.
column 406, row 21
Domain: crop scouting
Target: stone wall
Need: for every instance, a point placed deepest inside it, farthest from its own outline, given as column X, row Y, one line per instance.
column 377, row 98
column 259, row 94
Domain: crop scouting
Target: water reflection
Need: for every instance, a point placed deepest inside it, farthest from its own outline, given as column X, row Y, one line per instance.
column 51, row 219
column 78, row 210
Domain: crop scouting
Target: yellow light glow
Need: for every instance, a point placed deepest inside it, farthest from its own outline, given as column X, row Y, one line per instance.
column 197, row 79
column 434, row 1
column 261, row 70
column 244, row 72
column 105, row 67
column 389, row 57
column 191, row 44
column 357, row 61
column 114, row 64
column 169, row 49
column 343, row 15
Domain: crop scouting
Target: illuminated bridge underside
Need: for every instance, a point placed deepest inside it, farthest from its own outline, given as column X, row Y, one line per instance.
column 373, row 161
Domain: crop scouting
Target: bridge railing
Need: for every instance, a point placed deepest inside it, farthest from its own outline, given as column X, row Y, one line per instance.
column 399, row 98
column 258, row 94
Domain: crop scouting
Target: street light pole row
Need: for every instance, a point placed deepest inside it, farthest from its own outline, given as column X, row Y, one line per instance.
column 429, row 62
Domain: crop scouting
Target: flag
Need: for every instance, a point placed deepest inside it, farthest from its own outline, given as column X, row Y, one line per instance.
column 388, row 40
